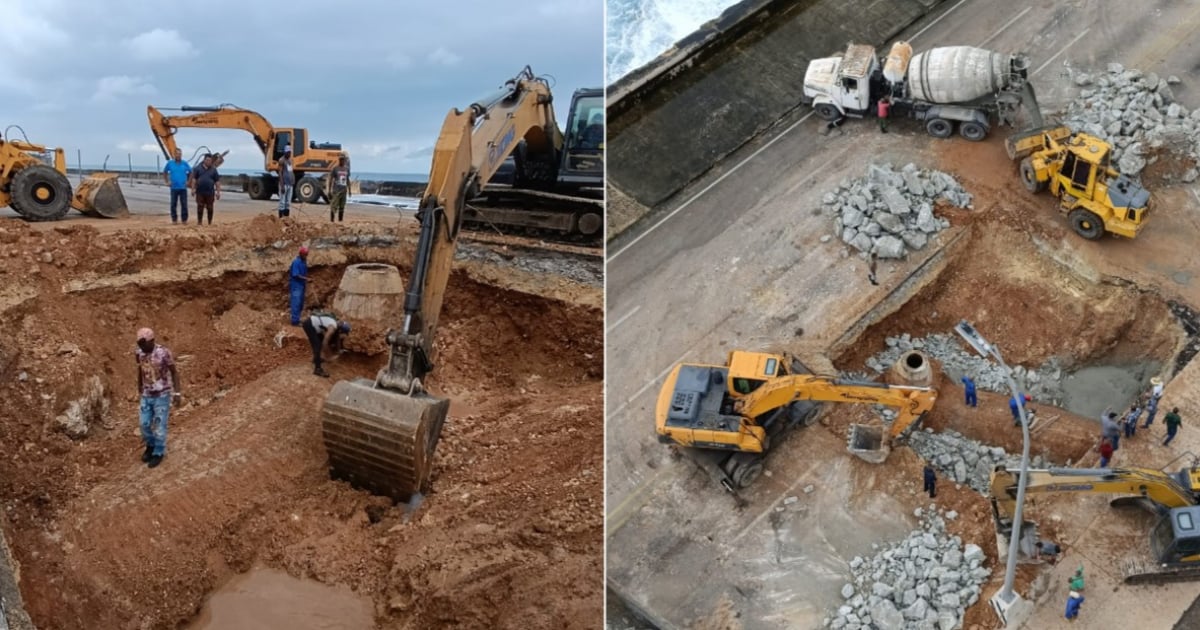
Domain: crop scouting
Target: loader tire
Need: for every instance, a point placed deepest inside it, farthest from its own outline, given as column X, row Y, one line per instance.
column 1029, row 177
column 827, row 112
column 258, row 189
column 939, row 128
column 40, row 193
column 308, row 189
column 1086, row 224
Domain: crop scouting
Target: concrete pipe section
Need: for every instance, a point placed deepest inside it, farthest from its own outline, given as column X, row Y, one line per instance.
column 370, row 297
column 914, row 368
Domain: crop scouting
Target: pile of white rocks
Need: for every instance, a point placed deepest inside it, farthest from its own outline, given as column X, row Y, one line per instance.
column 1043, row 384
column 963, row 460
column 890, row 212
column 1136, row 112
column 925, row 581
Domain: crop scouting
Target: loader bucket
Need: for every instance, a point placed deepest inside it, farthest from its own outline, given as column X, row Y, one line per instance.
column 866, row 442
column 381, row 440
column 1022, row 144
column 100, row 195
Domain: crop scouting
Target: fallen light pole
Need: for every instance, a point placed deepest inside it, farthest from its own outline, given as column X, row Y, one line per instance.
column 1007, row 603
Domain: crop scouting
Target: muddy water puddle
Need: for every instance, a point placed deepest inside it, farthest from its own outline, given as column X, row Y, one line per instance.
column 265, row 599
column 1090, row 390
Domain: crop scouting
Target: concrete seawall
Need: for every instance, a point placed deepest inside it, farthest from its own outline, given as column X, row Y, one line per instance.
column 674, row 119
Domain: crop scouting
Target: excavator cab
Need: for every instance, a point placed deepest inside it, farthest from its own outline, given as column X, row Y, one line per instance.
column 583, row 149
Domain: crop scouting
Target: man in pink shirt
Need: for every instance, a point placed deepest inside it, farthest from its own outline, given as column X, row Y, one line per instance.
column 883, row 108
column 158, row 384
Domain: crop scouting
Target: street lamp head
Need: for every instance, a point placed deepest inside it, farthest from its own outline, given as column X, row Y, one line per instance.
column 972, row 337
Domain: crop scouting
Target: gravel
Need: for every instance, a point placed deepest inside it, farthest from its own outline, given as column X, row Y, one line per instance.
column 890, row 212
column 1136, row 112
column 963, row 460
column 925, row 582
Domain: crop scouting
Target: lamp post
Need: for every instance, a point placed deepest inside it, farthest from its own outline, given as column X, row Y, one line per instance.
column 1006, row 596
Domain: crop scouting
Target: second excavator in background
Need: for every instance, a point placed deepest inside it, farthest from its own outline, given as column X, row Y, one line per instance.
column 730, row 416
column 312, row 160
column 1172, row 551
column 381, row 434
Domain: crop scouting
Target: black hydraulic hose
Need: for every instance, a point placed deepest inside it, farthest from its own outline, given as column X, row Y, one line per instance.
column 412, row 300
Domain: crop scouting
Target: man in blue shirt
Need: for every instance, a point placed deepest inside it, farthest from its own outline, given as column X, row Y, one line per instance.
column 969, row 392
column 297, row 281
column 1014, row 407
column 178, row 175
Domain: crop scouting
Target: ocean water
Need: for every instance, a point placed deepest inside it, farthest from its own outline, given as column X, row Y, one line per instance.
column 361, row 175
column 640, row 30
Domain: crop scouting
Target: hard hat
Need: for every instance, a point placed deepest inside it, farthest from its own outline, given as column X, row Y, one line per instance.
column 303, row 250
column 1157, row 380
column 145, row 334
column 344, row 326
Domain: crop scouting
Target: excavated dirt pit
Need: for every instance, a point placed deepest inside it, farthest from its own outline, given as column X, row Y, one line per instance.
column 510, row 536
column 1109, row 339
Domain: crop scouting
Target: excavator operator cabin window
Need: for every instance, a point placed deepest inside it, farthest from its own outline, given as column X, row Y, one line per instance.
column 772, row 365
column 746, row 385
column 282, row 139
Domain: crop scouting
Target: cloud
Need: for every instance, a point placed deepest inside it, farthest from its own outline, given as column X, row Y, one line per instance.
column 160, row 45
column 427, row 152
column 129, row 146
column 399, row 60
column 112, row 87
column 566, row 8
column 24, row 34
column 443, row 57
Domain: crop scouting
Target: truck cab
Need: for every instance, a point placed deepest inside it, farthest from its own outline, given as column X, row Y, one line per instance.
column 841, row 85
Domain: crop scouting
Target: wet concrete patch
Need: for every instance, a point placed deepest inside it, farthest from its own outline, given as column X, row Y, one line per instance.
column 1090, row 390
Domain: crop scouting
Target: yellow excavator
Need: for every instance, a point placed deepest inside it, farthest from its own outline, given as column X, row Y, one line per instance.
column 312, row 161
column 34, row 183
column 1076, row 167
column 1174, row 554
column 381, row 434
column 729, row 416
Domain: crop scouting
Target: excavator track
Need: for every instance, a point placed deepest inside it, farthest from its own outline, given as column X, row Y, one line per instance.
column 1135, row 572
column 552, row 216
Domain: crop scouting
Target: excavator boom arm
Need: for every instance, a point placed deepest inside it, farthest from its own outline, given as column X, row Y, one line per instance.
column 1155, row 485
column 470, row 148
column 164, row 127
column 912, row 402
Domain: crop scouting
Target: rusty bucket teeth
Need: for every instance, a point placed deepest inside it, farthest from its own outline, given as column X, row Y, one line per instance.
column 100, row 195
column 380, row 440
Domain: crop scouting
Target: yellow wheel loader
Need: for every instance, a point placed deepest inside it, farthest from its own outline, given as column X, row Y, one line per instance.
column 1076, row 168
column 729, row 416
column 33, row 182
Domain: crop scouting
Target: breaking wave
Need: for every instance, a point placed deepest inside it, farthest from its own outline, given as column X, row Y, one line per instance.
column 640, row 30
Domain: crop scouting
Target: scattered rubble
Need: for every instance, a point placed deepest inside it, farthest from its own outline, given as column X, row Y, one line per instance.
column 890, row 212
column 1136, row 112
column 925, row 581
column 965, row 460
column 1042, row 384
column 81, row 413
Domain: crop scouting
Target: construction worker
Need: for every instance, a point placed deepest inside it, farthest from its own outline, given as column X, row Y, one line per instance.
column 324, row 331
column 1173, row 422
column 883, row 108
column 930, row 481
column 338, row 188
column 1156, row 388
column 1076, row 582
column 287, row 182
column 1131, row 419
column 1109, row 428
column 1151, row 410
column 1046, row 550
column 1015, row 408
column 1074, row 603
column 1106, row 452
column 178, row 175
column 871, row 262
column 297, row 284
column 972, row 400
column 158, row 384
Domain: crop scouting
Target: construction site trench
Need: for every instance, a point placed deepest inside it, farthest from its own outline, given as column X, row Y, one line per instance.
column 509, row 536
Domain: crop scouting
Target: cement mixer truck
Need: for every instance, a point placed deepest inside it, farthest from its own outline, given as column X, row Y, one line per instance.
column 947, row 87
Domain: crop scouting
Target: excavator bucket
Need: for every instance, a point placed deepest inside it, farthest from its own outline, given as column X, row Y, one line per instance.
column 873, row 443
column 867, row 443
column 382, row 440
column 100, row 195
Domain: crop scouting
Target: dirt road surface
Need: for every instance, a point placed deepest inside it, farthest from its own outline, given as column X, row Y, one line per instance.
column 510, row 535
column 744, row 267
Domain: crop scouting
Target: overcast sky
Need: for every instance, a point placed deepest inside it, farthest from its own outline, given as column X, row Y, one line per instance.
column 379, row 77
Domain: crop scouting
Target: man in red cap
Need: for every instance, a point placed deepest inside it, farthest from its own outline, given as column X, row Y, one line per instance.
column 297, row 282
column 158, row 384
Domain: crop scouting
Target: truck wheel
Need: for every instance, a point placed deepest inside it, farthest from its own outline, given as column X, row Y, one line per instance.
column 40, row 193
column 939, row 128
column 308, row 189
column 1029, row 177
column 1086, row 224
column 257, row 188
column 828, row 112
column 972, row 131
